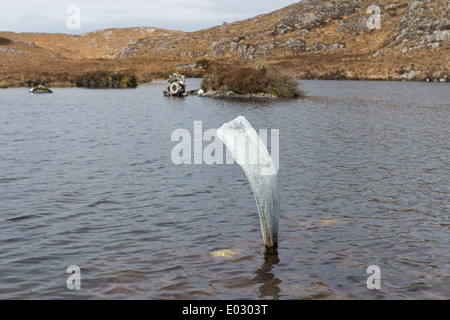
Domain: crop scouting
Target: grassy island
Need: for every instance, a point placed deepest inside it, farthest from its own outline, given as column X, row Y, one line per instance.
column 246, row 81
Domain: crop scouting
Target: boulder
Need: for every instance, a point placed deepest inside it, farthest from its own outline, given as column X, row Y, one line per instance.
column 296, row 45
column 302, row 32
column 318, row 47
column 429, row 25
column 410, row 74
column 7, row 50
column 40, row 89
column 336, row 10
column 246, row 51
column 283, row 27
column 264, row 48
column 309, row 19
column 443, row 35
column 336, row 46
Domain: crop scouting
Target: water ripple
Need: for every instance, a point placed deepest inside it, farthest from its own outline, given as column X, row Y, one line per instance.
column 86, row 178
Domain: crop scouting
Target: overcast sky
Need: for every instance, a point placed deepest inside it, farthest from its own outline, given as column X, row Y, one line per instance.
column 187, row 15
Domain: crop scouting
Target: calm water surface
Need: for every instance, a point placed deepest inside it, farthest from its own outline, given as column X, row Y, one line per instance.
column 86, row 179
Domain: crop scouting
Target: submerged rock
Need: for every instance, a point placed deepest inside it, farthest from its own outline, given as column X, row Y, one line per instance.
column 40, row 89
column 224, row 253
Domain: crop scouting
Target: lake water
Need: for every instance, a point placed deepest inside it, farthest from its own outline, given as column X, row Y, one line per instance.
column 86, row 179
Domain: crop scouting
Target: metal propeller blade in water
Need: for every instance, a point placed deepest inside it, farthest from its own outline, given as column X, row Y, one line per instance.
column 239, row 136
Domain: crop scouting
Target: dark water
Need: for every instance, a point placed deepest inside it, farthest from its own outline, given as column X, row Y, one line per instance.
column 86, row 179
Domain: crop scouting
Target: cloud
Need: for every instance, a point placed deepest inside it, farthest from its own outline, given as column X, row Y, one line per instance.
column 191, row 3
column 188, row 15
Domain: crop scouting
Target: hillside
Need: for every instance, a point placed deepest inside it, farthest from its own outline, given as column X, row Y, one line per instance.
column 314, row 39
column 60, row 58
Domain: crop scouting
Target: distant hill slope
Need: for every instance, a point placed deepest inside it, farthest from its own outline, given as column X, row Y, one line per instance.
column 312, row 38
column 105, row 43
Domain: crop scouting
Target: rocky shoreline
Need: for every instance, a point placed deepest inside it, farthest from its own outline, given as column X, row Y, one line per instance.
column 406, row 77
column 233, row 95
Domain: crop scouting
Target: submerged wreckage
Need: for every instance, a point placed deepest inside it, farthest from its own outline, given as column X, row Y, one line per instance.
column 177, row 86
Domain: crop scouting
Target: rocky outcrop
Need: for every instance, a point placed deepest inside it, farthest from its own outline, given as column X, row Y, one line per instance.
column 130, row 50
column 40, row 89
column 232, row 95
column 313, row 13
column 409, row 75
column 10, row 50
column 436, row 36
column 296, row 45
column 336, row 9
column 283, row 27
column 221, row 47
column 307, row 20
column 336, row 46
column 318, row 47
column 416, row 32
column 28, row 43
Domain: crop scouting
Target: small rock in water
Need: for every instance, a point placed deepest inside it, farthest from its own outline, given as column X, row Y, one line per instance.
column 40, row 89
column 326, row 222
column 224, row 253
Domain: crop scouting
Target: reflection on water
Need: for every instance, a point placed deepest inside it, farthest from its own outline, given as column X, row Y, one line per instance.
column 86, row 179
column 269, row 283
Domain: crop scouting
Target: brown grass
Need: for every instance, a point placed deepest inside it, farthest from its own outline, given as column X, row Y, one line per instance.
column 246, row 80
column 4, row 41
column 103, row 79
